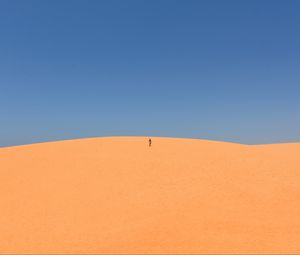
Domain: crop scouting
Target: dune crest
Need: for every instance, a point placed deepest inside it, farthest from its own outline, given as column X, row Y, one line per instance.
column 118, row 195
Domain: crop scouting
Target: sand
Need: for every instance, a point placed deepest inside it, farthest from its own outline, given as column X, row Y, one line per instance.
column 117, row 195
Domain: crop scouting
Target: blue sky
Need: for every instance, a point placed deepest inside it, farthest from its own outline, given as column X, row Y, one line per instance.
column 221, row 70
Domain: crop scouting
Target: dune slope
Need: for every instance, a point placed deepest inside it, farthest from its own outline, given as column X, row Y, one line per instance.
column 117, row 195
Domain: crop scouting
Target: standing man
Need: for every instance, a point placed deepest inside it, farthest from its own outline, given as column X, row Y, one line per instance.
column 150, row 142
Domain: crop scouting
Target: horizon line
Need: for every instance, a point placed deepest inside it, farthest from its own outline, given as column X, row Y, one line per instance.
column 142, row 136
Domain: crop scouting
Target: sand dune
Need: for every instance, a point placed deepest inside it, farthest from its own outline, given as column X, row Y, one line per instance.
column 117, row 195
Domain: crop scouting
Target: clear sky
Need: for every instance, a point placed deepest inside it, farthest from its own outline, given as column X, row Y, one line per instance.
column 221, row 70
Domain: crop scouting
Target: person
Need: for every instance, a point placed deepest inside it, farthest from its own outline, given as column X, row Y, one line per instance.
column 150, row 142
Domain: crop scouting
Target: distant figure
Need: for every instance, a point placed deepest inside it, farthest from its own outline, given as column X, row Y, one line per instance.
column 150, row 142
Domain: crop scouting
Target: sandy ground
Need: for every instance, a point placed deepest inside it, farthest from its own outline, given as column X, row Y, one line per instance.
column 117, row 195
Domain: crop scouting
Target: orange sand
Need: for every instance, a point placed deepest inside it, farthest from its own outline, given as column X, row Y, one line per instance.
column 117, row 195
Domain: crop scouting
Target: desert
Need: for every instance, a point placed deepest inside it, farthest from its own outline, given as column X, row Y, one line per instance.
column 118, row 195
